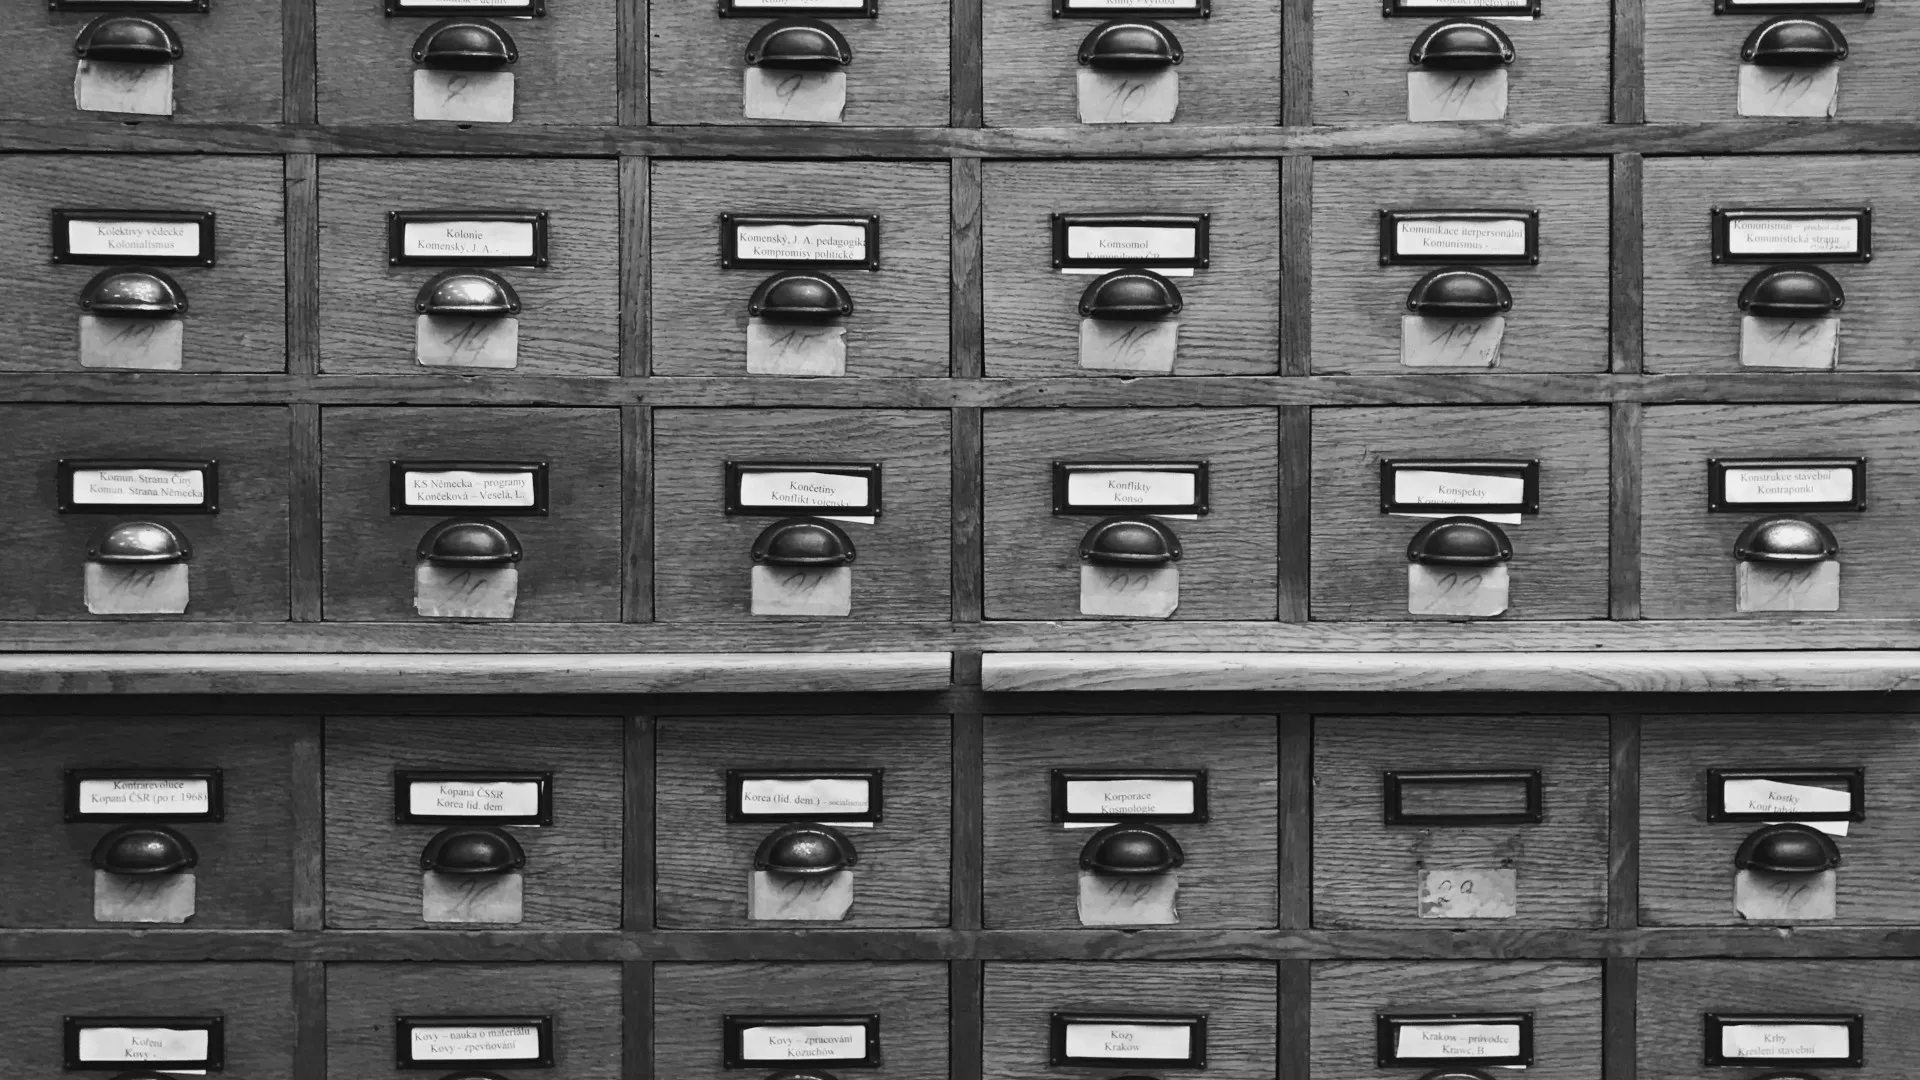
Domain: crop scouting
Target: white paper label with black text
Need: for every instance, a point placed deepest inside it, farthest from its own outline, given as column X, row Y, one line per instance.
column 135, row 796
column 1127, row 798
column 1793, row 236
column 803, row 489
column 1414, row 487
column 1130, row 487
column 805, row 1042
column 1460, row 236
column 137, row 486
column 825, row 242
column 1125, row 1041
column 473, row 798
column 1789, row 1041
column 1782, row 799
column 134, row 239
column 822, row 795
column 464, row 487
column 1124, row 243
column 1799, row 485
column 468, row 239
column 475, row 1042
column 1457, row 1041
column 142, row 1044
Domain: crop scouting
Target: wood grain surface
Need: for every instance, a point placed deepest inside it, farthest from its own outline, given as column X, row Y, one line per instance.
column 1687, row 563
column 255, row 1000
column 1560, row 315
column 1692, row 306
column 571, row 568
column 702, row 557
column 703, row 861
column 1686, row 862
column 1559, row 73
column 1367, row 874
column 899, row 325
column 572, row 877
column 1693, row 62
column 228, row 71
column 1675, row 995
column 1229, row 875
column 1033, row 557
column 236, row 309
column 570, row 309
column 1231, row 322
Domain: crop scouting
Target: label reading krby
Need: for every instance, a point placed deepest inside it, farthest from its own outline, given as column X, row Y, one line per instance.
column 137, row 486
column 468, row 239
column 134, row 239
column 1461, row 236
column 464, row 487
column 145, row 797
column 823, row 795
column 473, row 798
column 807, row 1042
column 1124, row 798
column 1797, row 1042
column 476, row 1042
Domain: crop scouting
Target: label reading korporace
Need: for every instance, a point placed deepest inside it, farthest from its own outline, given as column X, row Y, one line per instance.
column 469, row 487
column 136, row 486
column 1424, row 1041
column 1454, row 237
column 473, row 239
column 134, row 1044
column 806, row 1042
column 474, row 798
column 130, row 238
column 1788, row 1042
column 1127, row 1040
column 1759, row 235
column 160, row 797
column 786, row 796
column 1119, row 797
column 475, row 1042
column 1759, row 486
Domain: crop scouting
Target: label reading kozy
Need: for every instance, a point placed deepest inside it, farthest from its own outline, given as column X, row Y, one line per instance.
column 806, row 1042
column 1125, row 1040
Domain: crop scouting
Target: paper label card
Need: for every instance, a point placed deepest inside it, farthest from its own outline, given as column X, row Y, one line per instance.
column 1455, row 1037
column 490, row 899
column 112, row 86
column 1736, row 485
column 799, row 898
column 121, row 795
column 1427, row 9
column 467, row 341
column 1444, row 96
column 171, row 1043
column 1129, row 592
column 465, row 592
column 770, row 242
column 1430, row 342
column 810, row 591
column 776, row 348
column 111, row 487
column 495, row 488
column 1098, row 488
column 783, row 489
column 116, row 344
column 1840, row 234
column 759, row 9
column 1144, row 346
column 822, row 1040
column 436, row 797
column 1442, row 237
column 464, row 97
column 1107, row 9
column 1790, row 7
column 176, row 7
column 1788, row 91
column 1129, row 97
column 1476, row 488
column 784, row 795
column 159, row 899
column 467, row 238
column 1789, row 344
column 435, row 1042
column 1788, row 794
column 1478, row 592
column 1762, row 586
column 1783, row 1040
column 1173, row 1042
column 1128, row 900
column 799, row 97
column 1468, row 894
column 1097, row 243
column 106, row 237
column 1100, row 796
column 499, row 9
column 140, row 589
column 1761, row 896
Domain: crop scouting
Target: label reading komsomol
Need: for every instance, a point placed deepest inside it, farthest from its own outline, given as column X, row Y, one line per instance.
column 1131, row 487
column 1789, row 485
column 1129, row 797
column 478, row 239
column 1793, row 236
column 131, row 238
column 1129, row 1040
column 807, row 1042
column 1419, row 1041
column 475, row 1042
column 468, row 487
column 1417, row 237
column 1416, row 487
column 1794, row 1042
column 143, row 1044
column 803, row 489
column 794, row 242
column 139, row 487
column 474, row 798
column 821, row 795
column 136, row 796
column 1127, row 243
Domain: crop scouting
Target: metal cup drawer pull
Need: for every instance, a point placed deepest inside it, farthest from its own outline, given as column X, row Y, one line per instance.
column 1459, row 71
column 471, row 868
column 1466, row 292
column 1130, row 295
column 805, row 849
column 1457, row 1074
column 800, row 296
column 1127, row 870
column 477, row 294
column 1458, row 566
column 1787, row 559
column 126, row 65
column 803, row 869
column 137, row 565
column 132, row 317
column 1790, row 308
column 802, row 564
column 796, row 71
column 465, row 569
column 1128, row 568
column 472, row 849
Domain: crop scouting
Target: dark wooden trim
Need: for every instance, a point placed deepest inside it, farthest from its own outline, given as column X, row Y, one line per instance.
column 636, row 1019
column 965, row 55
column 1296, row 68
column 1628, row 320
column 298, row 62
column 1623, row 824
column 1296, row 265
column 1619, row 1049
column 309, row 828
column 965, row 276
column 1296, row 821
column 309, row 1020
column 1623, row 535
column 304, row 587
column 636, row 880
column 302, row 183
column 1629, row 62
column 966, row 1026
column 969, row 874
column 967, row 537
column 1294, row 1022
column 1294, row 526
column 636, row 262
column 636, row 514
column 631, row 71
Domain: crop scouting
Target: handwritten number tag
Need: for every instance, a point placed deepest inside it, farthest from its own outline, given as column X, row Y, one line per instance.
column 449, row 592
column 1108, row 97
column 801, row 590
column 131, row 344
column 1466, row 343
column 1789, row 587
column 467, row 97
column 1789, row 91
column 1474, row 591
column 1434, row 96
column 1468, row 894
column 137, row 589
column 813, row 97
column 471, row 898
column 1802, row 344
column 114, row 87
column 796, row 898
column 1151, row 592
column 1128, row 901
column 1763, row 896
column 790, row 349
column 1125, row 345
column 155, row 898
column 466, row 341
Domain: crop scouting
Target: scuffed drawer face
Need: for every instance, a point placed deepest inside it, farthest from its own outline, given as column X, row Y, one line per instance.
column 1820, row 1017
column 233, row 1018
column 1386, row 291
column 213, row 790
column 1058, row 789
column 1374, row 1019
column 212, row 230
column 379, row 68
column 1044, row 64
column 1449, row 821
column 561, row 1019
column 227, row 69
column 880, row 1021
column 737, row 799
column 1053, row 1020
column 170, row 512
column 735, row 242
column 1742, row 817
column 798, row 542
column 1696, row 69
column 416, row 807
column 534, row 245
column 1462, row 462
column 895, row 69
column 1811, row 523
column 1791, row 264
column 1209, row 229
column 1035, row 566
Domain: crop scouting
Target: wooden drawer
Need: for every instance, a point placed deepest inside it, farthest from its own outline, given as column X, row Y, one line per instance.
column 254, row 1001
column 570, row 571
column 899, row 321
column 1559, row 564
column 703, row 557
column 236, row 309
column 1412, row 872
column 569, row 316
column 564, row 74
column 238, row 569
column 692, row 1003
column 704, row 859
column 1676, row 995
column 1559, row 317
column 1693, row 61
column 1686, row 551
column 1693, row 314
column 1687, row 860
column 1237, row 999
column 571, row 880
column 1350, row 997
column 228, row 70
column 1033, row 559
column 1228, row 878
column 580, row 1001
column 1230, row 322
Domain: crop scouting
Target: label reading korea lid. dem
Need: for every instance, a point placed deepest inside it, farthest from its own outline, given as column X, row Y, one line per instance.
column 787, row 796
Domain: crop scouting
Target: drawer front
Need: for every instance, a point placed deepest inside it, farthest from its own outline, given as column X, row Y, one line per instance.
column 1693, row 313
column 571, row 879
column 1560, row 70
column 564, row 74
column 1238, row 1001
column 703, row 557
column 1676, row 995
column 1229, row 71
column 899, row 73
column 1349, row 997
column 693, row 1001
column 1558, row 321
column 228, row 70
column 899, row 321
column 238, row 569
column 236, row 309
column 1693, row 61
column 1424, row 869
column 581, row 1003
column 1687, row 565
column 1688, row 862
column 1227, row 569
column 1034, row 870
column 254, row 1001
column 569, row 316
column 1559, row 564
column 570, row 569
column 1229, row 323
column 243, row 876
column 704, row 861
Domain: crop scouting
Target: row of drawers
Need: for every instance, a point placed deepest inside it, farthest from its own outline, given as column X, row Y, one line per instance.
column 701, row 315
column 1433, row 821
column 903, row 1008
column 566, row 62
column 706, row 469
